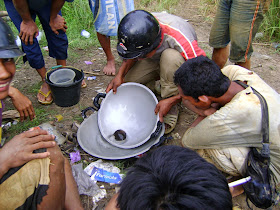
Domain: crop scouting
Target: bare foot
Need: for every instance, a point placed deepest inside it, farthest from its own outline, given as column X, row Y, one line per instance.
column 44, row 95
column 110, row 68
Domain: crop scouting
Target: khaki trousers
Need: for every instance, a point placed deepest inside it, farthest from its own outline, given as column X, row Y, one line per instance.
column 148, row 70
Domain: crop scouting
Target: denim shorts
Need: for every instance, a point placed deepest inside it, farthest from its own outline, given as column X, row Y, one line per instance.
column 57, row 44
column 236, row 22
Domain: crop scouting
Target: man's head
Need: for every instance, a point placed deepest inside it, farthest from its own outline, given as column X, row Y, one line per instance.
column 8, row 50
column 201, row 76
column 138, row 34
column 173, row 177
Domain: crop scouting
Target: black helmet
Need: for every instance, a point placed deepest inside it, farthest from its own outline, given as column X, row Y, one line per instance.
column 138, row 34
column 8, row 47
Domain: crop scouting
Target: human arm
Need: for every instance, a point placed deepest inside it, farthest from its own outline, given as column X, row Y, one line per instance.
column 119, row 78
column 165, row 105
column 19, row 150
column 57, row 22
column 22, row 104
column 201, row 112
column 28, row 28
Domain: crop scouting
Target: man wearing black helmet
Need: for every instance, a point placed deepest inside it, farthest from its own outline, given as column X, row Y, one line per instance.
column 33, row 172
column 154, row 47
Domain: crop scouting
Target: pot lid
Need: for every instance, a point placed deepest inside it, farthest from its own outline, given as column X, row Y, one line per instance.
column 131, row 112
column 91, row 140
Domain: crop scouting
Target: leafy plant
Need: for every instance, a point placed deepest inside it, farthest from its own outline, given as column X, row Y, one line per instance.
column 271, row 22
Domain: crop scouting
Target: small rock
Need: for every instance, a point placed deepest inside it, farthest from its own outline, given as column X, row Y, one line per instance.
column 75, row 110
column 259, row 35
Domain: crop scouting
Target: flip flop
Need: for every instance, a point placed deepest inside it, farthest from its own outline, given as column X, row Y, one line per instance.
column 170, row 120
column 45, row 95
column 157, row 87
column 84, row 84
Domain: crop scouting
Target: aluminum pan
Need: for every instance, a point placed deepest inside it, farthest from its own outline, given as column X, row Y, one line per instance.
column 91, row 140
column 131, row 109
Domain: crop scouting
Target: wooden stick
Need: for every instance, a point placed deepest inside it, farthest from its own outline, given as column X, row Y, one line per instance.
column 94, row 73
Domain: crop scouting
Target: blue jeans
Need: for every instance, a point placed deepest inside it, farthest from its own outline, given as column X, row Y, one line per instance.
column 57, row 44
column 236, row 21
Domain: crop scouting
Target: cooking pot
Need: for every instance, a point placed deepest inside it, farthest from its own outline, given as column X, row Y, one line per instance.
column 127, row 119
column 91, row 140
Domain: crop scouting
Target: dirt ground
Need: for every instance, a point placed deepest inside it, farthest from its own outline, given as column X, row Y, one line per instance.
column 265, row 62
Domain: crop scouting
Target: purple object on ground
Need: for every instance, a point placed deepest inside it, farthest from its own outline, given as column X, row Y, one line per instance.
column 88, row 62
column 75, row 156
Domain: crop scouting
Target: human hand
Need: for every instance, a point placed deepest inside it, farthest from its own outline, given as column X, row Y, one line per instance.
column 114, row 84
column 22, row 104
column 19, row 150
column 212, row 109
column 58, row 23
column 163, row 107
column 28, row 30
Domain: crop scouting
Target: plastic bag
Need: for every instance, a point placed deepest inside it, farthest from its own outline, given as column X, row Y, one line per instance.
column 108, row 14
column 86, row 186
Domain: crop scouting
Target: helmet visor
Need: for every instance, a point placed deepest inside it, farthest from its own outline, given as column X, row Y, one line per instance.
column 10, row 52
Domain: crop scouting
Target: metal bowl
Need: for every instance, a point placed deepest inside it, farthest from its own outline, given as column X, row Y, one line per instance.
column 131, row 110
column 91, row 140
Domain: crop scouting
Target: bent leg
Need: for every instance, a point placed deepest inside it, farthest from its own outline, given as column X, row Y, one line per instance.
column 55, row 197
column 170, row 61
column 63, row 191
column 245, row 20
column 72, row 198
column 219, row 34
column 220, row 56
column 144, row 71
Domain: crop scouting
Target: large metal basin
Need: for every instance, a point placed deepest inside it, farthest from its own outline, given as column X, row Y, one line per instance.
column 131, row 110
column 91, row 140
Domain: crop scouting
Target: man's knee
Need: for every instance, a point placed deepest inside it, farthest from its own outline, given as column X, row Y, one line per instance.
column 170, row 61
column 56, row 156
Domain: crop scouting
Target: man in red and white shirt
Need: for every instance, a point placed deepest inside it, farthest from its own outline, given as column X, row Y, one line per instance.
column 154, row 47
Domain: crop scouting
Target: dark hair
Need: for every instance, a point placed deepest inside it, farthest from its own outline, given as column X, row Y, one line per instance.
column 173, row 177
column 201, row 76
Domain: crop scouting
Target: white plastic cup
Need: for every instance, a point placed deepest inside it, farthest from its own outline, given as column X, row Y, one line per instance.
column 62, row 77
column 85, row 33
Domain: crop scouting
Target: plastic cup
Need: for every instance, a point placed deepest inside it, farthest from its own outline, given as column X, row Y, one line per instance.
column 62, row 77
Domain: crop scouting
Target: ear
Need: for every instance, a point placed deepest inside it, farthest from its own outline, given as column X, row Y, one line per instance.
column 204, row 99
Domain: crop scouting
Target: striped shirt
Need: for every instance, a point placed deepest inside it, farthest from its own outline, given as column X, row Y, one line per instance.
column 177, row 34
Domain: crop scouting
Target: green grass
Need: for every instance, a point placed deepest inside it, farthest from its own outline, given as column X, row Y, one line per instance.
column 42, row 115
column 79, row 17
column 271, row 23
column 156, row 5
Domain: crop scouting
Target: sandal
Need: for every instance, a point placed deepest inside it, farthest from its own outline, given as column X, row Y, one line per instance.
column 170, row 119
column 157, row 87
column 84, row 84
column 46, row 95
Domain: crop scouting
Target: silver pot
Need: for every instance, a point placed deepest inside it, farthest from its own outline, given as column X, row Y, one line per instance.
column 128, row 114
column 91, row 140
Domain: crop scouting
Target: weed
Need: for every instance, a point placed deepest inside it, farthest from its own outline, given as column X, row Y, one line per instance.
column 156, row 5
column 41, row 116
column 271, row 23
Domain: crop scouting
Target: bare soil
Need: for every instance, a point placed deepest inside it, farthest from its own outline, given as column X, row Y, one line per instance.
column 265, row 62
